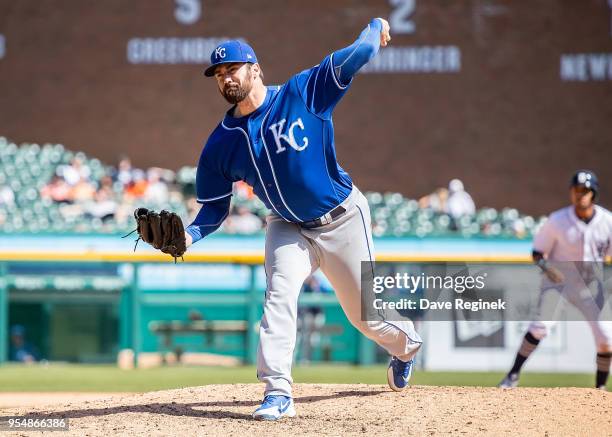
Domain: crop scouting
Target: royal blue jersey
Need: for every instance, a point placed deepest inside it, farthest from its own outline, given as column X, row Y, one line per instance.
column 284, row 149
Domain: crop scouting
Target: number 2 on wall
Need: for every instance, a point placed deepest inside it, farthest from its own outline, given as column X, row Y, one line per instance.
column 399, row 19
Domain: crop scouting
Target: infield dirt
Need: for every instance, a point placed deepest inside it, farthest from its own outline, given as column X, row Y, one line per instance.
column 334, row 410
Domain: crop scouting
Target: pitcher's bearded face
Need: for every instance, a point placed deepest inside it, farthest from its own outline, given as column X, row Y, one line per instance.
column 235, row 81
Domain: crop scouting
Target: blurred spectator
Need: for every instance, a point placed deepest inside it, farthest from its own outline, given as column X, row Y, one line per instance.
column 138, row 186
column 459, row 202
column 519, row 229
column 75, row 172
column 103, row 205
column 243, row 221
column 156, row 190
column 124, row 173
column 316, row 284
column 83, row 191
column 195, row 315
column 379, row 227
column 435, row 201
column 106, row 183
column 242, row 190
column 311, row 319
column 7, row 197
column 20, row 350
column 57, row 190
column 79, row 197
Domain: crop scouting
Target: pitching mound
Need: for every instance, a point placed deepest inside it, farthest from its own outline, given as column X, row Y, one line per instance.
column 339, row 410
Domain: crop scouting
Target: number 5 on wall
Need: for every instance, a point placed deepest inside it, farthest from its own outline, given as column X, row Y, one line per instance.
column 188, row 11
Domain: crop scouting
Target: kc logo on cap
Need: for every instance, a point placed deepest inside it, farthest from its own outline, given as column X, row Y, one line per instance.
column 220, row 52
column 228, row 52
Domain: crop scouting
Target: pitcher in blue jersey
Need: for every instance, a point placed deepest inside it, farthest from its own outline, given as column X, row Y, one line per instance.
column 280, row 140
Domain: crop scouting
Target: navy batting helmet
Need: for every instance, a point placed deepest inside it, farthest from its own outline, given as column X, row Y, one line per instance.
column 587, row 179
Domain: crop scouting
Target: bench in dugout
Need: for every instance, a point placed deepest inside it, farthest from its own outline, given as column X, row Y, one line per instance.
column 213, row 331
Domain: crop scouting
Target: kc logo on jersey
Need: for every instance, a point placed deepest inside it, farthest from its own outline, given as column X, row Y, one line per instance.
column 289, row 137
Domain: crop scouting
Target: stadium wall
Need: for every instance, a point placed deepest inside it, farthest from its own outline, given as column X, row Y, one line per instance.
column 479, row 90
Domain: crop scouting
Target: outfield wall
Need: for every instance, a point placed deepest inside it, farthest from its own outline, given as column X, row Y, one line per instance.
column 97, row 297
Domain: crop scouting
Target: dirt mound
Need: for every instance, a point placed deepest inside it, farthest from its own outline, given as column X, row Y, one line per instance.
column 339, row 410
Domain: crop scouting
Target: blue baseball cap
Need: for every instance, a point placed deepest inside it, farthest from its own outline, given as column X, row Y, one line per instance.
column 228, row 52
column 587, row 179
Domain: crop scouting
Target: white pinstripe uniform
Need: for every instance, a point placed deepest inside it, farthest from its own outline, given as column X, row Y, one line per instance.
column 564, row 238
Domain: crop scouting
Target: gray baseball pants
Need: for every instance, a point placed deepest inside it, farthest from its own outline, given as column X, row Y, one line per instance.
column 292, row 254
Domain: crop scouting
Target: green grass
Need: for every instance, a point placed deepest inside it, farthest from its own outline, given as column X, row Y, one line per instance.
column 107, row 378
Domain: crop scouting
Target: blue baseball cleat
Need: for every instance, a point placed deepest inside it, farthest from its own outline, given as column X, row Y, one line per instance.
column 275, row 407
column 398, row 374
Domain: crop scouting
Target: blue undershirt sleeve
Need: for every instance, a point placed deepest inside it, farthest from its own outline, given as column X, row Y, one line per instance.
column 324, row 85
column 347, row 61
column 209, row 218
column 213, row 190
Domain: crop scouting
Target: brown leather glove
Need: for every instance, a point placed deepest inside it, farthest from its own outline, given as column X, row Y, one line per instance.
column 163, row 231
